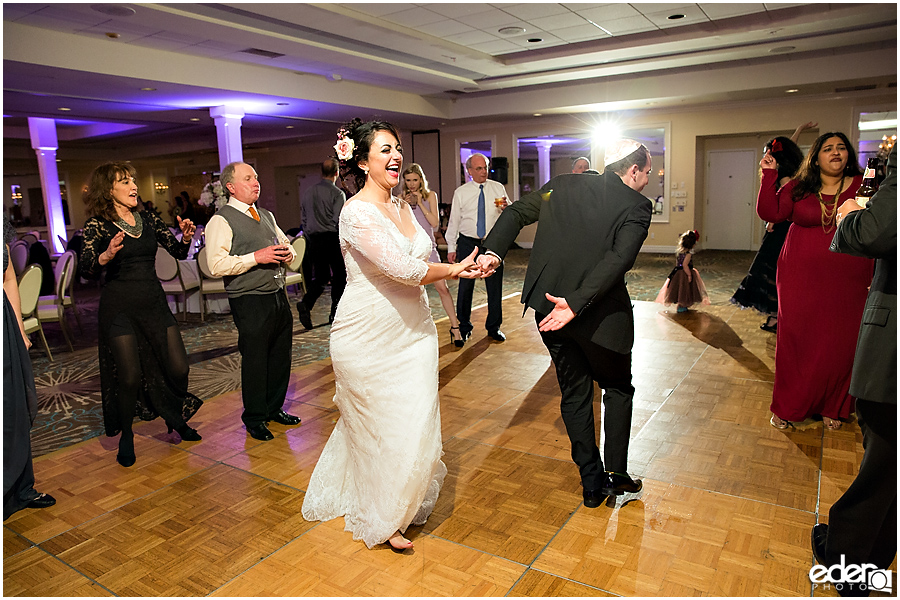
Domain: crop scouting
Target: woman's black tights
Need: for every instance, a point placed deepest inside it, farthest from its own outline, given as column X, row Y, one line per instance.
column 128, row 378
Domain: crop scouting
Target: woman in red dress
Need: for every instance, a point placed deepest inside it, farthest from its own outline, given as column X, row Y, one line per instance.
column 821, row 294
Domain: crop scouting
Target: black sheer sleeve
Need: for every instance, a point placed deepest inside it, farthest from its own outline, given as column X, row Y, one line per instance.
column 164, row 236
column 96, row 241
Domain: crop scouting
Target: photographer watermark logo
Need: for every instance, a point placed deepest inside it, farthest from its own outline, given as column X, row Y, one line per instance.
column 843, row 577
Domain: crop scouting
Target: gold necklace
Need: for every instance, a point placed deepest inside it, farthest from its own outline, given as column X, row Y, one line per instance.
column 828, row 221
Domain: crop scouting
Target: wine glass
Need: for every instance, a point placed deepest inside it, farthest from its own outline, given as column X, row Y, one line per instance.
column 280, row 270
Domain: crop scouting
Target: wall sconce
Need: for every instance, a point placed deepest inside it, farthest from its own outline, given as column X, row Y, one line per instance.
column 161, row 188
column 15, row 193
column 885, row 147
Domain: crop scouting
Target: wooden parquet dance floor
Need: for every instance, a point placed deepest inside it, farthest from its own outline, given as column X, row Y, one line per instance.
column 726, row 510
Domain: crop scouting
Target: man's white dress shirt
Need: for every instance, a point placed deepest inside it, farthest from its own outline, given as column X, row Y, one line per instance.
column 218, row 244
column 464, row 210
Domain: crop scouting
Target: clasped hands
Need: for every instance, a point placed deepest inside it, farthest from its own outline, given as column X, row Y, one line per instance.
column 475, row 268
column 486, row 264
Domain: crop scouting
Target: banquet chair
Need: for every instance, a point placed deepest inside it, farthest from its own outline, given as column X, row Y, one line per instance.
column 67, row 259
column 52, row 309
column 294, row 274
column 168, row 272
column 209, row 284
column 29, row 238
column 18, row 254
column 29, row 292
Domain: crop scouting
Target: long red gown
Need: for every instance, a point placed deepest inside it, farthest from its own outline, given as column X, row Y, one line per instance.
column 821, row 296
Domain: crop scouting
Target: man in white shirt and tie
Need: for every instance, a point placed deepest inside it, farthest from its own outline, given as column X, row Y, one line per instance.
column 476, row 206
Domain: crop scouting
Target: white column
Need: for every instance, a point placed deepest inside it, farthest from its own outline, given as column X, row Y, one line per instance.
column 45, row 144
column 228, row 132
column 543, row 149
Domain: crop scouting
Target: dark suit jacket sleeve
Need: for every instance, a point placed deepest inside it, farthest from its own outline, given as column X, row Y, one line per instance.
column 618, row 260
column 871, row 232
column 511, row 221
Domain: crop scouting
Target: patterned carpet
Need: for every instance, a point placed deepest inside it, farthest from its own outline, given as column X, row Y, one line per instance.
column 69, row 387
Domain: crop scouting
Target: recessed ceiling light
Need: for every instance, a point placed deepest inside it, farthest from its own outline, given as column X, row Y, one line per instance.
column 289, row 127
column 281, row 103
column 148, row 89
column 782, row 49
column 113, row 10
column 112, row 35
column 511, row 30
column 791, row 91
column 335, row 77
column 535, row 40
column 64, row 109
column 675, row 17
column 538, row 114
column 195, row 119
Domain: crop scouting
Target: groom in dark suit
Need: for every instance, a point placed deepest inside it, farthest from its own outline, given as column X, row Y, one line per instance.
column 862, row 524
column 590, row 229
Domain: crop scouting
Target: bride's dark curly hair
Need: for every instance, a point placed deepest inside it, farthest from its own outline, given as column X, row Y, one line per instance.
column 362, row 135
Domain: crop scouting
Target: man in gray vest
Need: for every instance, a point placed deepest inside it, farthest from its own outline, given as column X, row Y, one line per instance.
column 246, row 248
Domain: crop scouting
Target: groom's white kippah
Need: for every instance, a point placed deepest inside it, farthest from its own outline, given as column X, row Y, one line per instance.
column 618, row 150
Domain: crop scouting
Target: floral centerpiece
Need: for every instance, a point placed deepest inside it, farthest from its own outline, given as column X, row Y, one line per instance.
column 213, row 196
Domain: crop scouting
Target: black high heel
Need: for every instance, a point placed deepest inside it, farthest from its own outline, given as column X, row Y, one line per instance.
column 459, row 343
column 187, row 433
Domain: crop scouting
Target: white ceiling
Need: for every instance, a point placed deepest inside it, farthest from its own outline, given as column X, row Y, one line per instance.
column 309, row 66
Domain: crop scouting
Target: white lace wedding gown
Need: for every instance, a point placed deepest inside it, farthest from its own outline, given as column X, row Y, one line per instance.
column 381, row 468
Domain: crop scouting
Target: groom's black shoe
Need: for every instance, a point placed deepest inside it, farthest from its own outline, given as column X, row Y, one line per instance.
column 618, row 484
column 260, row 432
column 818, row 537
column 285, row 419
column 593, row 498
column 42, row 501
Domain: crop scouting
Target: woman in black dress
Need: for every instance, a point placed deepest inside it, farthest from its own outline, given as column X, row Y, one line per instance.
column 19, row 399
column 757, row 290
column 143, row 363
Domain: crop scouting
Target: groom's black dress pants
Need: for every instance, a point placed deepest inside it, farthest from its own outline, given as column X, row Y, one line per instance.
column 579, row 362
column 862, row 523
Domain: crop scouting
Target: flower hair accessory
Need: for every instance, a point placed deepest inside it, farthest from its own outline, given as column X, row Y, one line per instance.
column 775, row 146
column 344, row 146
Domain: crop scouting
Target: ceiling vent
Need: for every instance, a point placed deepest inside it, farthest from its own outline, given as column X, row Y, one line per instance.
column 855, row 88
column 265, row 53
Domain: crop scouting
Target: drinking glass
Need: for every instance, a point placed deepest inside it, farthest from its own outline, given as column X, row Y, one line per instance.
column 280, row 270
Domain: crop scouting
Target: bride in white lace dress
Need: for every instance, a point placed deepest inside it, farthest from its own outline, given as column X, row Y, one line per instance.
column 381, row 468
